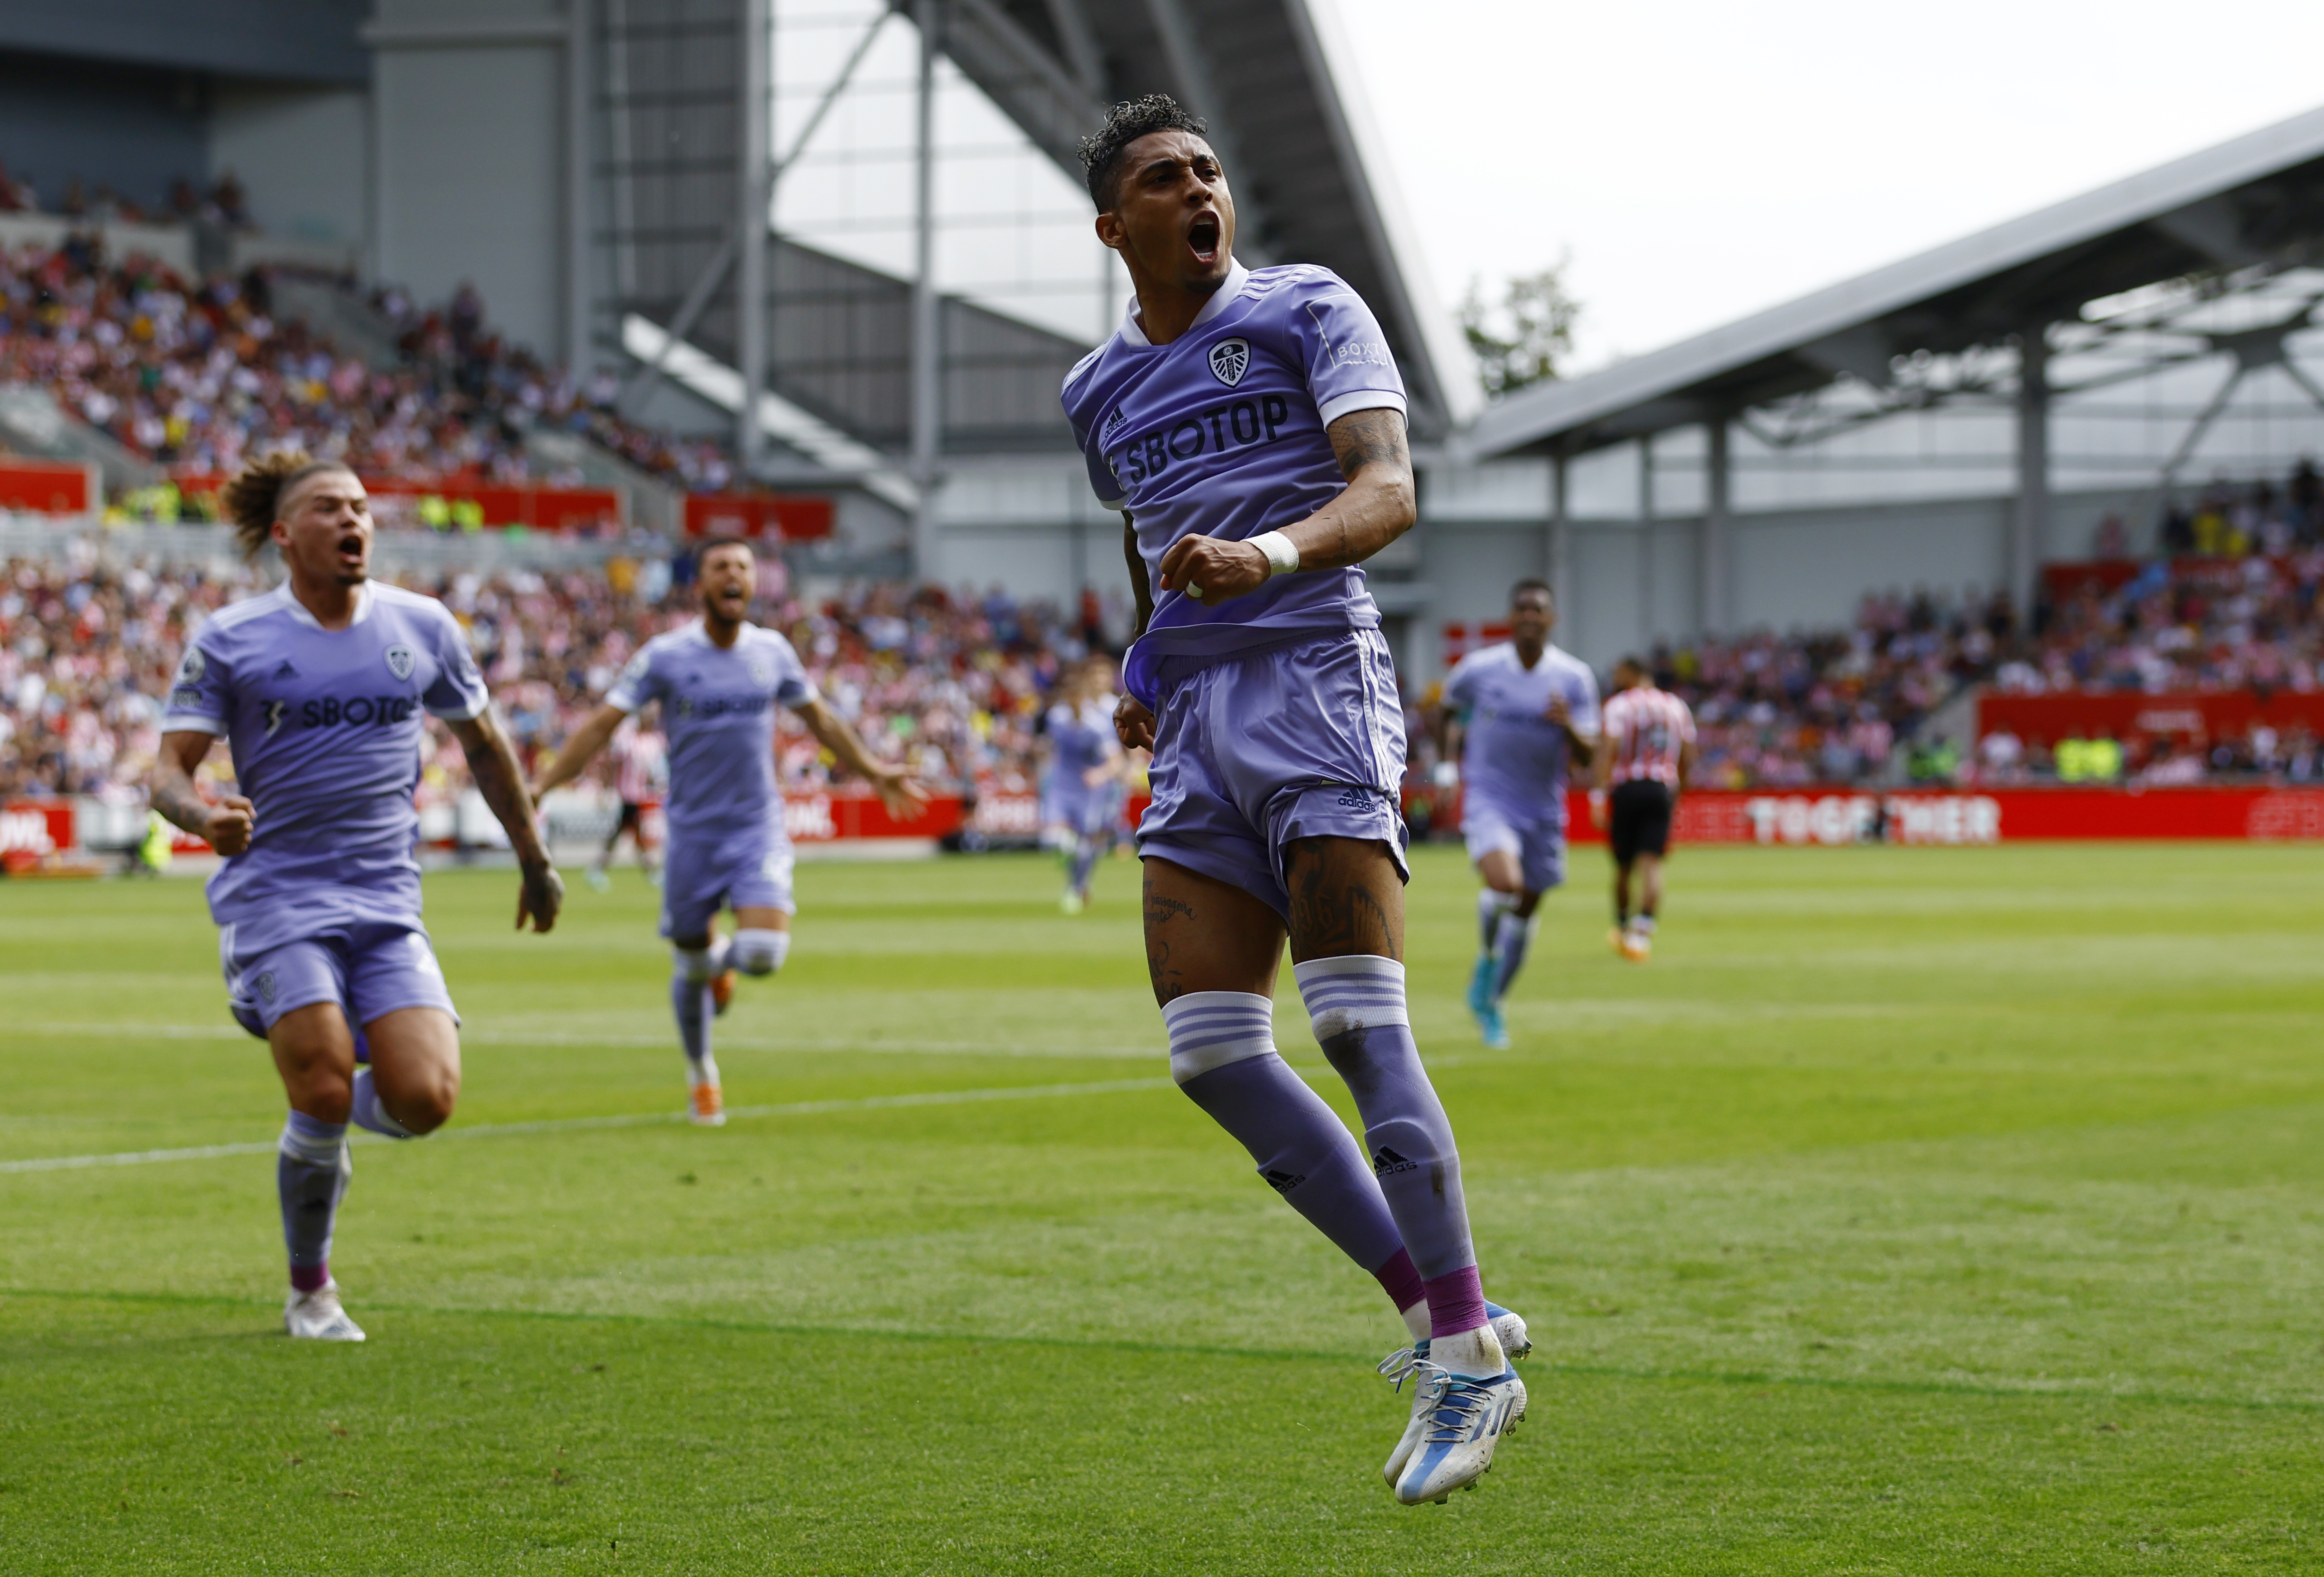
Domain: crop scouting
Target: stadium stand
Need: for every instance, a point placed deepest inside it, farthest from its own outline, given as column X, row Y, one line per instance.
column 198, row 376
column 950, row 683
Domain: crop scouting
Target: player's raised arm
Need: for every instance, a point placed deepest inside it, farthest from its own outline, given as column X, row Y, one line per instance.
column 491, row 762
column 897, row 791
column 1376, row 506
column 579, row 749
column 225, row 826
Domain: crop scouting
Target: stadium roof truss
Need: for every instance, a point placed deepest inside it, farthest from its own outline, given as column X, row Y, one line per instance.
column 858, row 349
column 2219, row 255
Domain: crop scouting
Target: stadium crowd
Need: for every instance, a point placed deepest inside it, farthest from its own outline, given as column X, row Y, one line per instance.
column 198, row 376
column 952, row 685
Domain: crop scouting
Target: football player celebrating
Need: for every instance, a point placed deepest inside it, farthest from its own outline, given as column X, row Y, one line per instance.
column 1249, row 426
column 1519, row 713
column 318, row 686
column 719, row 680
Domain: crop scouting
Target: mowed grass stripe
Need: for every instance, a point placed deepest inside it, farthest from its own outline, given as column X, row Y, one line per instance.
column 616, row 1119
column 1848, row 1247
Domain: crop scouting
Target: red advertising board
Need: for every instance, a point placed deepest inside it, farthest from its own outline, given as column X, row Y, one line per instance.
column 2118, row 715
column 452, row 503
column 791, row 517
column 1832, row 816
column 35, row 827
column 49, row 487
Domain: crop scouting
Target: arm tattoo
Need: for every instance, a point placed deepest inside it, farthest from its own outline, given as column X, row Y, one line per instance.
column 1367, row 438
column 174, row 798
column 491, row 762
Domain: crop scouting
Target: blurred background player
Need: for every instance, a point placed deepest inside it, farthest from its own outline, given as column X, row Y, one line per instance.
column 1251, row 428
column 718, row 680
column 1088, row 778
column 1519, row 715
column 640, row 772
column 1647, row 759
column 317, row 686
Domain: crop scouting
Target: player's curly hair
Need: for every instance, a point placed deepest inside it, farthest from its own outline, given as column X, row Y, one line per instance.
column 1124, row 125
column 253, row 499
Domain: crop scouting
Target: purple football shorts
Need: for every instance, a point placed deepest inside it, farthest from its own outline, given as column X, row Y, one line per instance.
column 748, row 869
column 1258, row 748
column 368, row 967
column 1538, row 841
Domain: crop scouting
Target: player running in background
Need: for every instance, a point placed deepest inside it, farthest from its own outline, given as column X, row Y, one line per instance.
column 719, row 680
column 1648, row 758
column 1086, row 767
column 638, row 764
column 1519, row 714
column 1249, row 425
column 318, row 686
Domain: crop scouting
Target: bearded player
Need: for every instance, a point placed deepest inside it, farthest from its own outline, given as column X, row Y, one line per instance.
column 318, row 686
column 1521, row 713
column 1249, row 426
column 719, row 680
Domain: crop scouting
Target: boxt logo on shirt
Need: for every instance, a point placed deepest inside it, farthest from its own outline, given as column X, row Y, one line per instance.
column 1230, row 360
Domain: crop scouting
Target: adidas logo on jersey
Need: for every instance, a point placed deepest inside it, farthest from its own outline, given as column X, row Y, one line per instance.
column 286, row 670
column 1354, row 799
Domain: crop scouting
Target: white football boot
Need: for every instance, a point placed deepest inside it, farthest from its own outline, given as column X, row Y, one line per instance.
column 317, row 1316
column 1509, row 1328
column 1466, row 1417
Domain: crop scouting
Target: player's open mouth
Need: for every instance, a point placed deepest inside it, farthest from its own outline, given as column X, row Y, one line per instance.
column 352, row 553
column 1202, row 238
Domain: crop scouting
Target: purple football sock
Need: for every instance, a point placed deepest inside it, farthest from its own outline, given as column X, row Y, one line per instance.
column 1400, row 1281
column 1222, row 1054
column 310, row 1176
column 1356, row 1004
column 1456, row 1301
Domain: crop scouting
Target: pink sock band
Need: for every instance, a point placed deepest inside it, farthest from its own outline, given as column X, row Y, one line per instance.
column 1456, row 1301
column 1401, row 1281
column 309, row 1278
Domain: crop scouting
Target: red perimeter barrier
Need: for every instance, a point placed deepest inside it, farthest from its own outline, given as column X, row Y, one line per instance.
column 2117, row 715
column 1970, row 815
column 49, row 487
column 758, row 514
column 35, row 827
column 399, row 502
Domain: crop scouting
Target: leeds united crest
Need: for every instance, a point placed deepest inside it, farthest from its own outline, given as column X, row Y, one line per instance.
column 1230, row 360
column 400, row 660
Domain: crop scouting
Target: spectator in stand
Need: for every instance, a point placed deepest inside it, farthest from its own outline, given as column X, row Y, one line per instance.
column 202, row 376
column 951, row 685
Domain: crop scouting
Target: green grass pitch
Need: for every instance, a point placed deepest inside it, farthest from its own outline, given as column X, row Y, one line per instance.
column 1914, row 1211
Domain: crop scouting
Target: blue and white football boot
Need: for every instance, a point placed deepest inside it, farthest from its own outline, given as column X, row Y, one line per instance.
column 1407, row 1363
column 317, row 1317
column 1465, row 1418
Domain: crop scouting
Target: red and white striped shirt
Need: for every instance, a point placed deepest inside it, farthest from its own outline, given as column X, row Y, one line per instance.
column 1646, row 728
column 640, row 766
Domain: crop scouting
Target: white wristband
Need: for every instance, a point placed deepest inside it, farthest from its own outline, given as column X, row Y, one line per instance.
column 1282, row 558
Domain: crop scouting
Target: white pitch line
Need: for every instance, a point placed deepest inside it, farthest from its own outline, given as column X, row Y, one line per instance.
column 558, row 1038
column 625, row 1119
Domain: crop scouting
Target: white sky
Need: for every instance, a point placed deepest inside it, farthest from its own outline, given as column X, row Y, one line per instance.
column 1699, row 161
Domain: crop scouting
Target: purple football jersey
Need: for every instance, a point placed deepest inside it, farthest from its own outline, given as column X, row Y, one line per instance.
column 326, row 732
column 718, row 712
column 1513, row 755
column 1221, row 433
